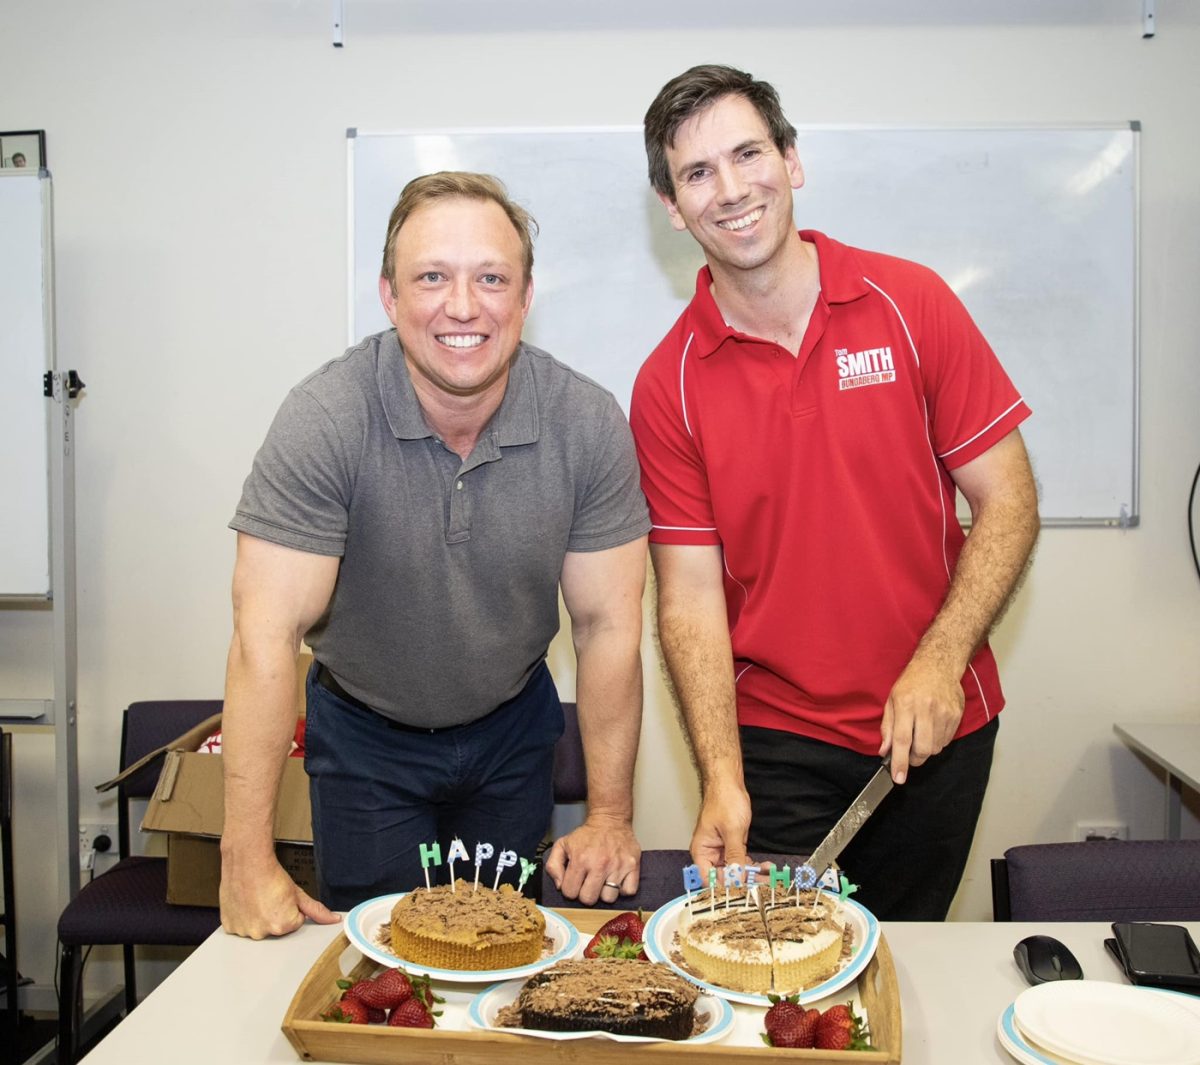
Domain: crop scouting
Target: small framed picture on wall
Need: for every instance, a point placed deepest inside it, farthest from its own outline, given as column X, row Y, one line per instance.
column 23, row 149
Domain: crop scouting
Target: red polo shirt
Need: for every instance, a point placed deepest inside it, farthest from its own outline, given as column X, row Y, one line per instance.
column 824, row 477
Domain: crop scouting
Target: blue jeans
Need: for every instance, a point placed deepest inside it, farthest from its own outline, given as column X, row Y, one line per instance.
column 378, row 792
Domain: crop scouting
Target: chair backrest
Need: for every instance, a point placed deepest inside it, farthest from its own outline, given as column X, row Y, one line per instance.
column 570, row 772
column 1098, row 880
column 146, row 727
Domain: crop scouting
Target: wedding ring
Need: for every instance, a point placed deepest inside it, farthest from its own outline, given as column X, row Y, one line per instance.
column 615, row 887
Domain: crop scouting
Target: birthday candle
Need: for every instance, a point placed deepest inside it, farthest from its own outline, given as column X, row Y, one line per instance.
column 483, row 851
column 751, row 872
column 527, row 869
column 431, row 854
column 457, row 850
column 779, row 876
column 505, row 859
column 712, row 886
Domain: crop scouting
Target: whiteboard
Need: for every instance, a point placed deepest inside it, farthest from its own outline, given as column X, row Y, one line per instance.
column 1034, row 228
column 24, row 441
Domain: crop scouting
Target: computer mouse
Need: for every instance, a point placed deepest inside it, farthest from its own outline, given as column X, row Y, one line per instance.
column 1043, row 958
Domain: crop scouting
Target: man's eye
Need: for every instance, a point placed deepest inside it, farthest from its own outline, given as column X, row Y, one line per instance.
column 751, row 154
column 699, row 174
column 430, row 276
column 492, row 279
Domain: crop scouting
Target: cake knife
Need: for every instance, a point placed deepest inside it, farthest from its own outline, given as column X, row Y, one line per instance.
column 852, row 820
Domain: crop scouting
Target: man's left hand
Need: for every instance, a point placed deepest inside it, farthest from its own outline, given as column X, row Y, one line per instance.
column 601, row 859
column 921, row 714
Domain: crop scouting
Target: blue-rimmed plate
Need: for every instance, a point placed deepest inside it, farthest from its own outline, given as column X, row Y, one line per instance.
column 367, row 925
column 1014, row 1042
column 661, row 944
column 715, row 1013
column 1095, row 1022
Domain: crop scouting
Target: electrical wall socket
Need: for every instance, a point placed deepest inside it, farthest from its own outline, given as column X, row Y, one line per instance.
column 1088, row 830
column 89, row 831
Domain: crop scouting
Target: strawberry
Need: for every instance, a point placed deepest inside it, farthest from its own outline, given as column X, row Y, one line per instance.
column 627, row 925
column 347, row 1011
column 386, row 991
column 423, row 989
column 412, row 1013
column 840, row 1015
column 788, row 1024
column 619, row 937
column 606, row 946
column 840, row 1028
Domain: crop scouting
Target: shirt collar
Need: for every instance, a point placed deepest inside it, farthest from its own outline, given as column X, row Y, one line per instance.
column 841, row 282
column 515, row 422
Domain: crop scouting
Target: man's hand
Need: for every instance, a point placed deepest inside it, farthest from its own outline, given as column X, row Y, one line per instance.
column 921, row 714
column 267, row 904
column 601, row 852
column 721, row 830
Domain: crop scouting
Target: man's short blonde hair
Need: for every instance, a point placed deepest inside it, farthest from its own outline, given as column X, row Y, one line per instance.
column 451, row 184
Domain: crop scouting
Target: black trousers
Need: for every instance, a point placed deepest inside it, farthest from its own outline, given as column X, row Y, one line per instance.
column 909, row 857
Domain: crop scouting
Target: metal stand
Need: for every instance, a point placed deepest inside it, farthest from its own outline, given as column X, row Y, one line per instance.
column 60, row 388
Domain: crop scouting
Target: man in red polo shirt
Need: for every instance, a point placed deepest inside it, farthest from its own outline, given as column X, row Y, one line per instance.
column 802, row 430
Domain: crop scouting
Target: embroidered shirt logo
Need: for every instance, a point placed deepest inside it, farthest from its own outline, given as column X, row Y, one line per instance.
column 871, row 367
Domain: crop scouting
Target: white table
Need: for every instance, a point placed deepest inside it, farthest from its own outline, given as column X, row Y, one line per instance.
column 1175, row 747
column 227, row 1001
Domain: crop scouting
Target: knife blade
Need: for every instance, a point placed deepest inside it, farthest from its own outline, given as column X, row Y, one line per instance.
column 852, row 820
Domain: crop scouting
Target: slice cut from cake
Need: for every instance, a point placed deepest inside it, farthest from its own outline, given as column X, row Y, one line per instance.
column 806, row 941
column 623, row 996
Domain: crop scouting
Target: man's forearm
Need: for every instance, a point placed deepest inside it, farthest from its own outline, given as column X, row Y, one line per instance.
column 695, row 645
column 258, row 724
column 990, row 567
column 608, row 694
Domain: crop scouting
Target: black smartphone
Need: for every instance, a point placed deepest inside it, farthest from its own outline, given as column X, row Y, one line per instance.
column 1158, row 954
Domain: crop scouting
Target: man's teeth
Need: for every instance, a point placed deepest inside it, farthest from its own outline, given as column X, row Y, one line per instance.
column 743, row 222
column 454, row 340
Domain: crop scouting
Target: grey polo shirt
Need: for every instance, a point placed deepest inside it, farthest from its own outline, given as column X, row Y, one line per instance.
column 447, row 592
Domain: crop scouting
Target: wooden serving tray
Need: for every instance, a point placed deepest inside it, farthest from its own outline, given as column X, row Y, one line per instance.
column 317, row 1040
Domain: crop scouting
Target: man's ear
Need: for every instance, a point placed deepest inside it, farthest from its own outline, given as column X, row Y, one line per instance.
column 528, row 301
column 388, row 298
column 794, row 167
column 672, row 211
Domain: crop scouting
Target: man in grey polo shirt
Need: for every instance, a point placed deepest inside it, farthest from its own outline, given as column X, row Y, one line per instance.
column 412, row 514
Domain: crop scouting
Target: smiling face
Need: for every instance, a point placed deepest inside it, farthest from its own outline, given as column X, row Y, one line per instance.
column 733, row 187
column 460, row 297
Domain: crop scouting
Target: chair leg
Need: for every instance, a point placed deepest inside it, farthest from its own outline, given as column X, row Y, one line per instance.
column 131, row 999
column 70, row 1004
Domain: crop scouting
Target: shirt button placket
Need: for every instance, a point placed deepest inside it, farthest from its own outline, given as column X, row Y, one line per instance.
column 460, row 512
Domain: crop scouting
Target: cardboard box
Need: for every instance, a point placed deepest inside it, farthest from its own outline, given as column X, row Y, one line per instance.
column 188, row 805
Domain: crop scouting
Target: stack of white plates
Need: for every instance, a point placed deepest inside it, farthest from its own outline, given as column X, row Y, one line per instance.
column 1090, row 1022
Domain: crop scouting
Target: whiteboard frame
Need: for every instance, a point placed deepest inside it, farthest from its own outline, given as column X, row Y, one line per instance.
column 1126, row 517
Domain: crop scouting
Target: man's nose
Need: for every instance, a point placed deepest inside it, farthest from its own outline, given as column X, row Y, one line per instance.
column 731, row 186
column 461, row 304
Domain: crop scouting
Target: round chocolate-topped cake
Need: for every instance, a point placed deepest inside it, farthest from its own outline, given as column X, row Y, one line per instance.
column 469, row 927
column 624, row 996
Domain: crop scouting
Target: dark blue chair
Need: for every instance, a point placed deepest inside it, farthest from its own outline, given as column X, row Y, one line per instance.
column 1098, row 880
column 127, row 905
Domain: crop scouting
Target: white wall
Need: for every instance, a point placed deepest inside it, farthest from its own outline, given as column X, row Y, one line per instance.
column 198, row 153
